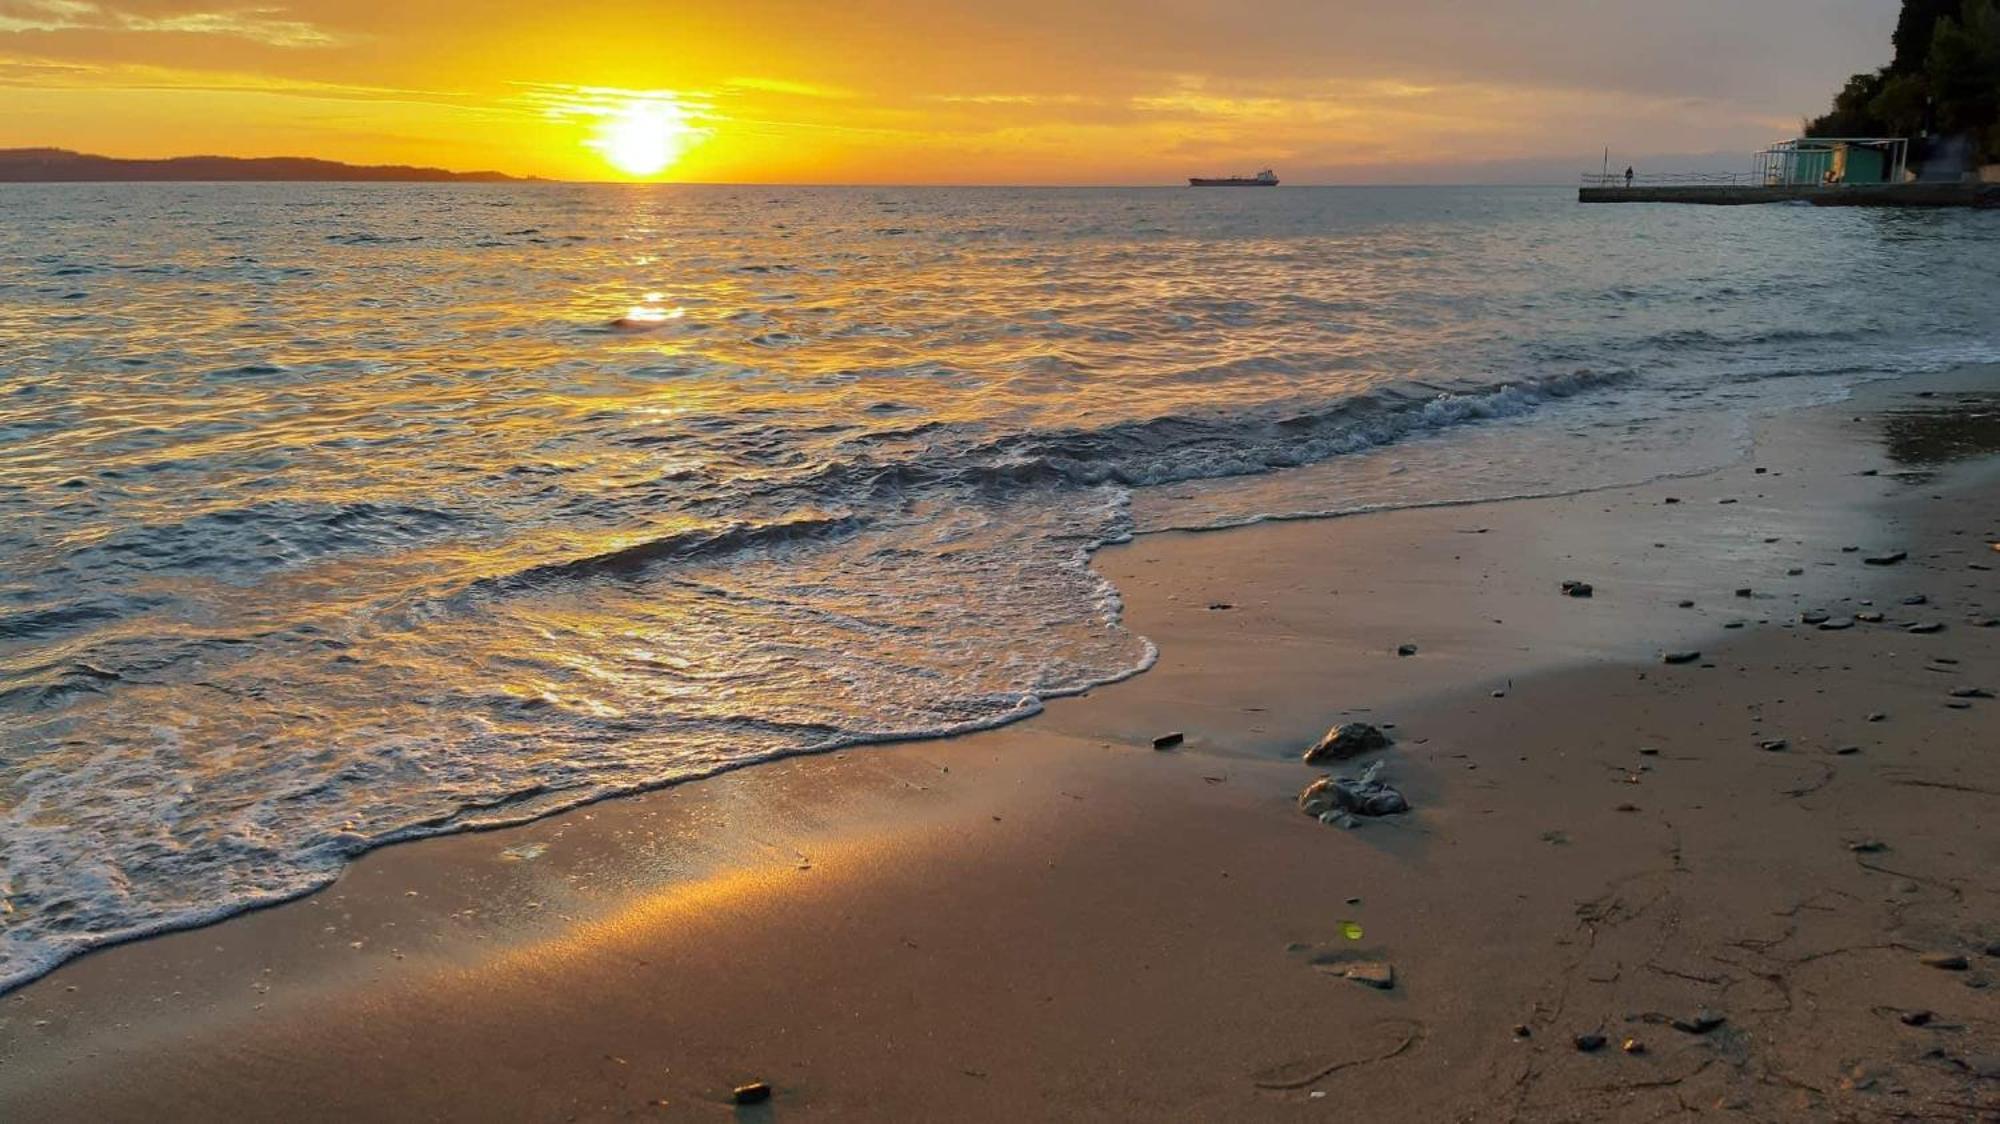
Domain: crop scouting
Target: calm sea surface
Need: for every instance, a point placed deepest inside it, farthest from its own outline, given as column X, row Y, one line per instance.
column 332, row 515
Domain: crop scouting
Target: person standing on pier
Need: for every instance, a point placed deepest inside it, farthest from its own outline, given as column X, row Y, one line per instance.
column 1628, row 175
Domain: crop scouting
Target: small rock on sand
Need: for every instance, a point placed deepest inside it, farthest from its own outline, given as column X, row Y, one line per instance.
column 1374, row 973
column 1917, row 1018
column 1590, row 1043
column 1877, row 716
column 1577, row 589
column 1683, row 656
column 1869, row 617
column 1812, row 616
column 1837, row 624
column 1169, row 740
column 1775, row 745
column 1888, row 559
column 1947, row 961
column 1916, row 599
column 1925, row 628
column 1701, row 1022
column 756, row 1092
column 1971, row 693
column 1746, row 591
column 1406, row 649
column 1346, row 740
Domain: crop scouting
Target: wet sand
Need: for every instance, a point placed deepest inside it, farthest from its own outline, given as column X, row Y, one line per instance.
column 1056, row 920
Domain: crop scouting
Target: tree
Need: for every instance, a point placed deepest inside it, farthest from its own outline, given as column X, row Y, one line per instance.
column 1963, row 69
column 1852, row 114
column 1914, row 28
column 1945, row 80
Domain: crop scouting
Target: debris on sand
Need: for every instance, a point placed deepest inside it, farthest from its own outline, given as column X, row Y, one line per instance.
column 1577, row 589
column 1349, row 739
column 1331, row 798
column 1888, row 559
column 1926, row 628
column 1947, row 961
column 1701, row 1022
column 1590, row 1043
column 1684, row 656
column 1169, row 740
column 1971, row 693
column 756, row 1092
column 1374, row 973
column 1406, row 649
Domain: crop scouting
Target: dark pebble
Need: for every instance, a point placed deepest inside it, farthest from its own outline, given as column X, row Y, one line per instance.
column 1590, row 1043
column 756, row 1092
column 1916, row 1018
column 1168, row 741
column 1701, row 1022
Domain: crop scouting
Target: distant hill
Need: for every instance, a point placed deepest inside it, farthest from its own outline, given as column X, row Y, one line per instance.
column 59, row 165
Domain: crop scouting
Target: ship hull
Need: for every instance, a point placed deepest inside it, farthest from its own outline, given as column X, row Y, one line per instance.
column 1194, row 181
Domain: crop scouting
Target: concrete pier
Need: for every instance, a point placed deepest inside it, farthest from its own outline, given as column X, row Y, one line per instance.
column 1843, row 195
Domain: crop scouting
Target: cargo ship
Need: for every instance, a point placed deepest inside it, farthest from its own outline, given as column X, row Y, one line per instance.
column 1265, row 178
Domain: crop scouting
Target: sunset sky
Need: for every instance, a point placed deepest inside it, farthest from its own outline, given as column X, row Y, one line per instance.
column 913, row 91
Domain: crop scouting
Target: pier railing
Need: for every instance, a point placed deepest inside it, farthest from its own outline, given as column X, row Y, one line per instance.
column 1672, row 179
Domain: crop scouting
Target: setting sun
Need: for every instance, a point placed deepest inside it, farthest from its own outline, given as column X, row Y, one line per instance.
column 645, row 137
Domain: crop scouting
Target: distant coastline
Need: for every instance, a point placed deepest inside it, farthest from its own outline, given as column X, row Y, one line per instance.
column 60, row 165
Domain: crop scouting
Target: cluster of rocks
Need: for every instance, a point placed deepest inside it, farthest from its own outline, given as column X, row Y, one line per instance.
column 1338, row 800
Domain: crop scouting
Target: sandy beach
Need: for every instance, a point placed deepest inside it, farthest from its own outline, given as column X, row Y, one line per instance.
column 1760, row 884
